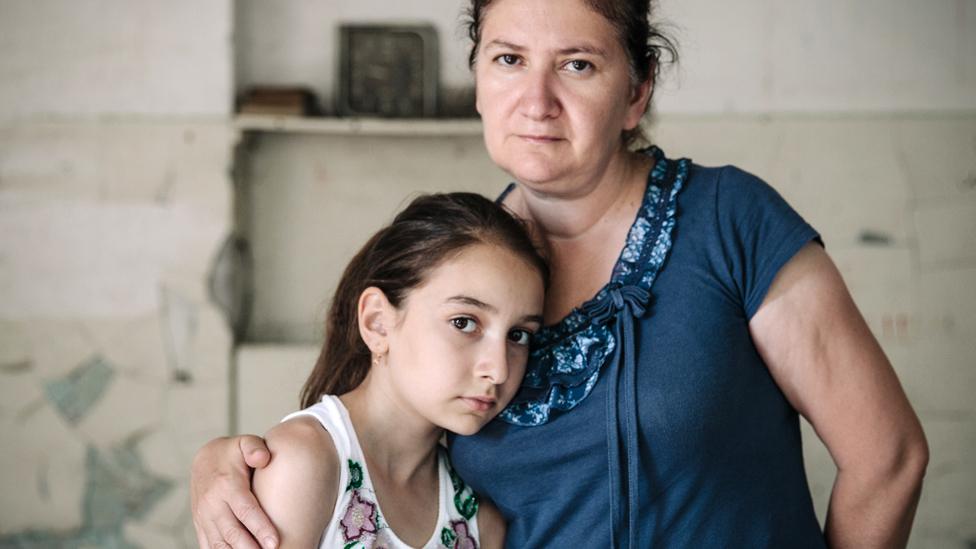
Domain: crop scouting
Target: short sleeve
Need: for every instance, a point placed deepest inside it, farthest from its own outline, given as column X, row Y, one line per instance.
column 759, row 233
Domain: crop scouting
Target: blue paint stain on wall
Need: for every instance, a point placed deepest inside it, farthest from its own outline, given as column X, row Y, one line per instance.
column 75, row 394
column 118, row 488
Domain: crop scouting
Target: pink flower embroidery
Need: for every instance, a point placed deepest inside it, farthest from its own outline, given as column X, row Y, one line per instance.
column 463, row 539
column 360, row 518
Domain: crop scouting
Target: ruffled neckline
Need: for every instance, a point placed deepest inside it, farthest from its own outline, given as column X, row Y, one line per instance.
column 566, row 356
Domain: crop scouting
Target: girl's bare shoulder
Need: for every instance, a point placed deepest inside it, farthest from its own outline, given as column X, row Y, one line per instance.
column 299, row 486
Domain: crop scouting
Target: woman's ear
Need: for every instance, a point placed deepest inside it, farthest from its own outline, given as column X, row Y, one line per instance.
column 639, row 100
column 376, row 316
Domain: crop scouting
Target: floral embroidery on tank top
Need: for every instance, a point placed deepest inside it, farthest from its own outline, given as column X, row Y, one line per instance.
column 363, row 527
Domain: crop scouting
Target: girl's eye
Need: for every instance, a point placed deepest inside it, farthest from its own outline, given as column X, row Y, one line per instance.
column 578, row 65
column 507, row 59
column 464, row 324
column 520, row 337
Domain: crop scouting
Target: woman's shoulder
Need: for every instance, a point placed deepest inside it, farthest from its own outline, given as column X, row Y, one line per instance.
column 730, row 192
column 299, row 486
column 726, row 179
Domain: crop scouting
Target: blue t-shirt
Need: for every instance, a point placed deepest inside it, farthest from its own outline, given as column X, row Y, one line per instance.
column 646, row 417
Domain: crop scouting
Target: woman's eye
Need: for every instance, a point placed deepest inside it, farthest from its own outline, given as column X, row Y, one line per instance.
column 520, row 337
column 578, row 65
column 507, row 59
column 464, row 324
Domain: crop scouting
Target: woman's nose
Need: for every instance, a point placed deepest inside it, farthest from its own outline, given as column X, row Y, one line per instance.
column 539, row 100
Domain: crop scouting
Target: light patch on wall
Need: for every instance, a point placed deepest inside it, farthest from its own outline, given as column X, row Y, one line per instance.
column 83, row 259
column 75, row 394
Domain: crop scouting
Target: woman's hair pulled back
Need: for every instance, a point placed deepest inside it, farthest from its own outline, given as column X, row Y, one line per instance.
column 648, row 47
column 429, row 231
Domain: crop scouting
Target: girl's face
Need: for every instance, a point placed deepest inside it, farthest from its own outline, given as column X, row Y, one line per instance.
column 554, row 90
column 460, row 341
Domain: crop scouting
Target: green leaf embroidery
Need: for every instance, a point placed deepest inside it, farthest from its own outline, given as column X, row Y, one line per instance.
column 355, row 476
column 466, row 505
column 448, row 537
column 465, row 501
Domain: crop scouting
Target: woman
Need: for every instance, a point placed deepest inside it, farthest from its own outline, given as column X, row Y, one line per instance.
column 691, row 315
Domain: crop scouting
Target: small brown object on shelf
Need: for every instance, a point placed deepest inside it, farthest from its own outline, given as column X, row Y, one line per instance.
column 278, row 101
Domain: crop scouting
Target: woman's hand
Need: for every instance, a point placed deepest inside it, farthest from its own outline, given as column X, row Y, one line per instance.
column 825, row 360
column 225, row 512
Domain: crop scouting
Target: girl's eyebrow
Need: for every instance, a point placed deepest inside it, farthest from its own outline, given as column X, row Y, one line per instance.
column 468, row 300
column 474, row 302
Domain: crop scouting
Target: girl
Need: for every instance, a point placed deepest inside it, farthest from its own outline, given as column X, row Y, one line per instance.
column 428, row 331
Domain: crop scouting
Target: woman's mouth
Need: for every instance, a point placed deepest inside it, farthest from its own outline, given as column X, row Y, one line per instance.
column 540, row 139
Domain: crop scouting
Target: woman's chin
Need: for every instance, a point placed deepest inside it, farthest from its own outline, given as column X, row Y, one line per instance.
column 536, row 175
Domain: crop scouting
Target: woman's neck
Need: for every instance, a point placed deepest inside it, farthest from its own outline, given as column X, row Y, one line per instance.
column 397, row 445
column 568, row 216
column 583, row 234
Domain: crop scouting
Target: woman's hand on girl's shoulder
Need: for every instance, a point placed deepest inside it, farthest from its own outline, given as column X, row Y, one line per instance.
column 491, row 525
column 299, row 486
column 224, row 509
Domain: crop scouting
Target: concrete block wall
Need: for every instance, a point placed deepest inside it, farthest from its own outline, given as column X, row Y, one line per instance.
column 114, row 199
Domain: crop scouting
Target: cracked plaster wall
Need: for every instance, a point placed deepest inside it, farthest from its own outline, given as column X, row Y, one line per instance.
column 114, row 198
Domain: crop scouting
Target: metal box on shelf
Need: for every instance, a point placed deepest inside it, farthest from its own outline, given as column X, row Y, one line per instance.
column 388, row 71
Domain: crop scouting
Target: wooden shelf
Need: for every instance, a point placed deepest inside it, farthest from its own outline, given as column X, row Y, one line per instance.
column 422, row 127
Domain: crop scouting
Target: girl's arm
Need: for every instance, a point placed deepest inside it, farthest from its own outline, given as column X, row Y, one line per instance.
column 822, row 355
column 491, row 525
column 299, row 486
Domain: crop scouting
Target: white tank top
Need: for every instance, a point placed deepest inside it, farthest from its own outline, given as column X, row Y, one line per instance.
column 357, row 522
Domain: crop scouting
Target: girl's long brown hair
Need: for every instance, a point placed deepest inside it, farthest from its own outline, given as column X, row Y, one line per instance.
column 430, row 230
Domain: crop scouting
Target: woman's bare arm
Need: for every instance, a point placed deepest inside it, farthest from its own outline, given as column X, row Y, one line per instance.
column 828, row 364
column 225, row 512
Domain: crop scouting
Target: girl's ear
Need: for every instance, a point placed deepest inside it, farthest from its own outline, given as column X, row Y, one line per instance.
column 375, row 315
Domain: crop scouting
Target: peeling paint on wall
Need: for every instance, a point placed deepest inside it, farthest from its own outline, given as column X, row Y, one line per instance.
column 118, row 489
column 75, row 394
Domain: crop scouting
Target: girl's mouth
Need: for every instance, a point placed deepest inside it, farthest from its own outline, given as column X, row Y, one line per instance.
column 479, row 404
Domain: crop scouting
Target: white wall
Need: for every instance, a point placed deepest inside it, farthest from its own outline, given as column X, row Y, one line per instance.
column 114, row 198
column 831, row 56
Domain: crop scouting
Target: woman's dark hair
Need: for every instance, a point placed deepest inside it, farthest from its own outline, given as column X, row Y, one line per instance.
column 429, row 231
column 648, row 47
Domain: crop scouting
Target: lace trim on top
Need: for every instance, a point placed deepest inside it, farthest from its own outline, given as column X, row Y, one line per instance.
column 566, row 358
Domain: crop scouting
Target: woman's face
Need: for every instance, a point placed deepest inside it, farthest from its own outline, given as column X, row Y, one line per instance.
column 554, row 91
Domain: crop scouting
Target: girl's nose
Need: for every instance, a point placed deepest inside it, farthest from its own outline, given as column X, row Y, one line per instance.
column 493, row 363
column 539, row 100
